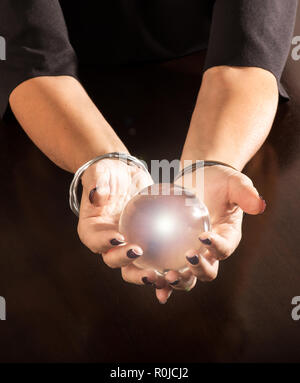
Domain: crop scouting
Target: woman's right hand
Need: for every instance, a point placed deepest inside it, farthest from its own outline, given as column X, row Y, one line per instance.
column 107, row 187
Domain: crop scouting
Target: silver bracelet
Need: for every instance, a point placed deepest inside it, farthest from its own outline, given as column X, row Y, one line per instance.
column 127, row 158
column 200, row 164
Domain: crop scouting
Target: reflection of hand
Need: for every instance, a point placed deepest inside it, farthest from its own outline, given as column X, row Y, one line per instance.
column 227, row 193
column 107, row 187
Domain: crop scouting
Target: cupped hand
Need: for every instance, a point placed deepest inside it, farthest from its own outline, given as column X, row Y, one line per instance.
column 227, row 194
column 107, row 187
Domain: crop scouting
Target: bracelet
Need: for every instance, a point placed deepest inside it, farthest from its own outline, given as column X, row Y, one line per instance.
column 200, row 164
column 127, row 158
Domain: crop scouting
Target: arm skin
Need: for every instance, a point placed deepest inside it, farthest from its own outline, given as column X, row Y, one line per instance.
column 234, row 113
column 232, row 118
column 61, row 119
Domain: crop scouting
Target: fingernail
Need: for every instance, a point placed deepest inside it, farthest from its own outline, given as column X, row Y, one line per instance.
column 206, row 241
column 146, row 281
column 116, row 242
column 264, row 204
column 133, row 254
column 174, row 283
column 194, row 260
column 91, row 195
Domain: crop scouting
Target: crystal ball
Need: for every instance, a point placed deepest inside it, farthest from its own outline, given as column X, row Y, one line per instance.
column 165, row 220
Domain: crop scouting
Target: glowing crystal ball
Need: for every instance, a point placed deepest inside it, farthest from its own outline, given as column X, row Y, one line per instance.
column 165, row 220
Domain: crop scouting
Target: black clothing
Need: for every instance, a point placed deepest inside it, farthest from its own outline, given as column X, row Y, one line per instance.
column 234, row 32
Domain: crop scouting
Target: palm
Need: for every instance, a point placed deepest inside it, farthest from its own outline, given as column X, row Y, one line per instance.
column 116, row 183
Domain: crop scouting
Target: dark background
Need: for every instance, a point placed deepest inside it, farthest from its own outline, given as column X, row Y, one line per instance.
column 65, row 305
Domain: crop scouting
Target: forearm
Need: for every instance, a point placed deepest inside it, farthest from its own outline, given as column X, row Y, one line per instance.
column 234, row 113
column 60, row 118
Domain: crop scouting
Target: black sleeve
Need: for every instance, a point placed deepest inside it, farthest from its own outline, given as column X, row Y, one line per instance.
column 254, row 33
column 37, row 44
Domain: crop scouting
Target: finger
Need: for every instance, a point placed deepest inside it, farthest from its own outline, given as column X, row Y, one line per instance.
column 99, row 195
column 243, row 193
column 201, row 267
column 219, row 246
column 159, row 281
column 122, row 255
column 134, row 274
column 163, row 294
column 181, row 280
column 99, row 237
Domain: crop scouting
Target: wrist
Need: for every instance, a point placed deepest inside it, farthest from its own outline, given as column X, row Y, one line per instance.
column 90, row 172
column 192, row 155
column 112, row 159
column 93, row 172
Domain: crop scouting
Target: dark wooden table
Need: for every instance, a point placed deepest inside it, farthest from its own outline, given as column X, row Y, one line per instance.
column 64, row 304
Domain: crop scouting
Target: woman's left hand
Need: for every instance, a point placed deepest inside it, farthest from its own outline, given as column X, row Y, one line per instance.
column 227, row 194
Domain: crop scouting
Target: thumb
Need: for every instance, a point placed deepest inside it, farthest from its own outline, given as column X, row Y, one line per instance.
column 243, row 193
column 98, row 196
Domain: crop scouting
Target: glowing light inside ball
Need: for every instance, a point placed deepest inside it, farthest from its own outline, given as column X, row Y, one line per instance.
column 165, row 224
column 165, row 220
column 197, row 213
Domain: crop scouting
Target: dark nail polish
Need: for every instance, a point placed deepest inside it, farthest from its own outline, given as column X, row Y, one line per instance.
column 91, row 195
column 116, row 242
column 194, row 260
column 146, row 281
column 132, row 254
column 206, row 241
column 174, row 283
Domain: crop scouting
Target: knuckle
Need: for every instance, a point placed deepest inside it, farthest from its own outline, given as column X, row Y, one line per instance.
column 84, row 238
column 80, row 232
column 91, row 242
column 109, row 263
column 209, row 277
column 124, row 275
column 94, row 249
column 225, row 253
column 245, row 180
column 240, row 179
